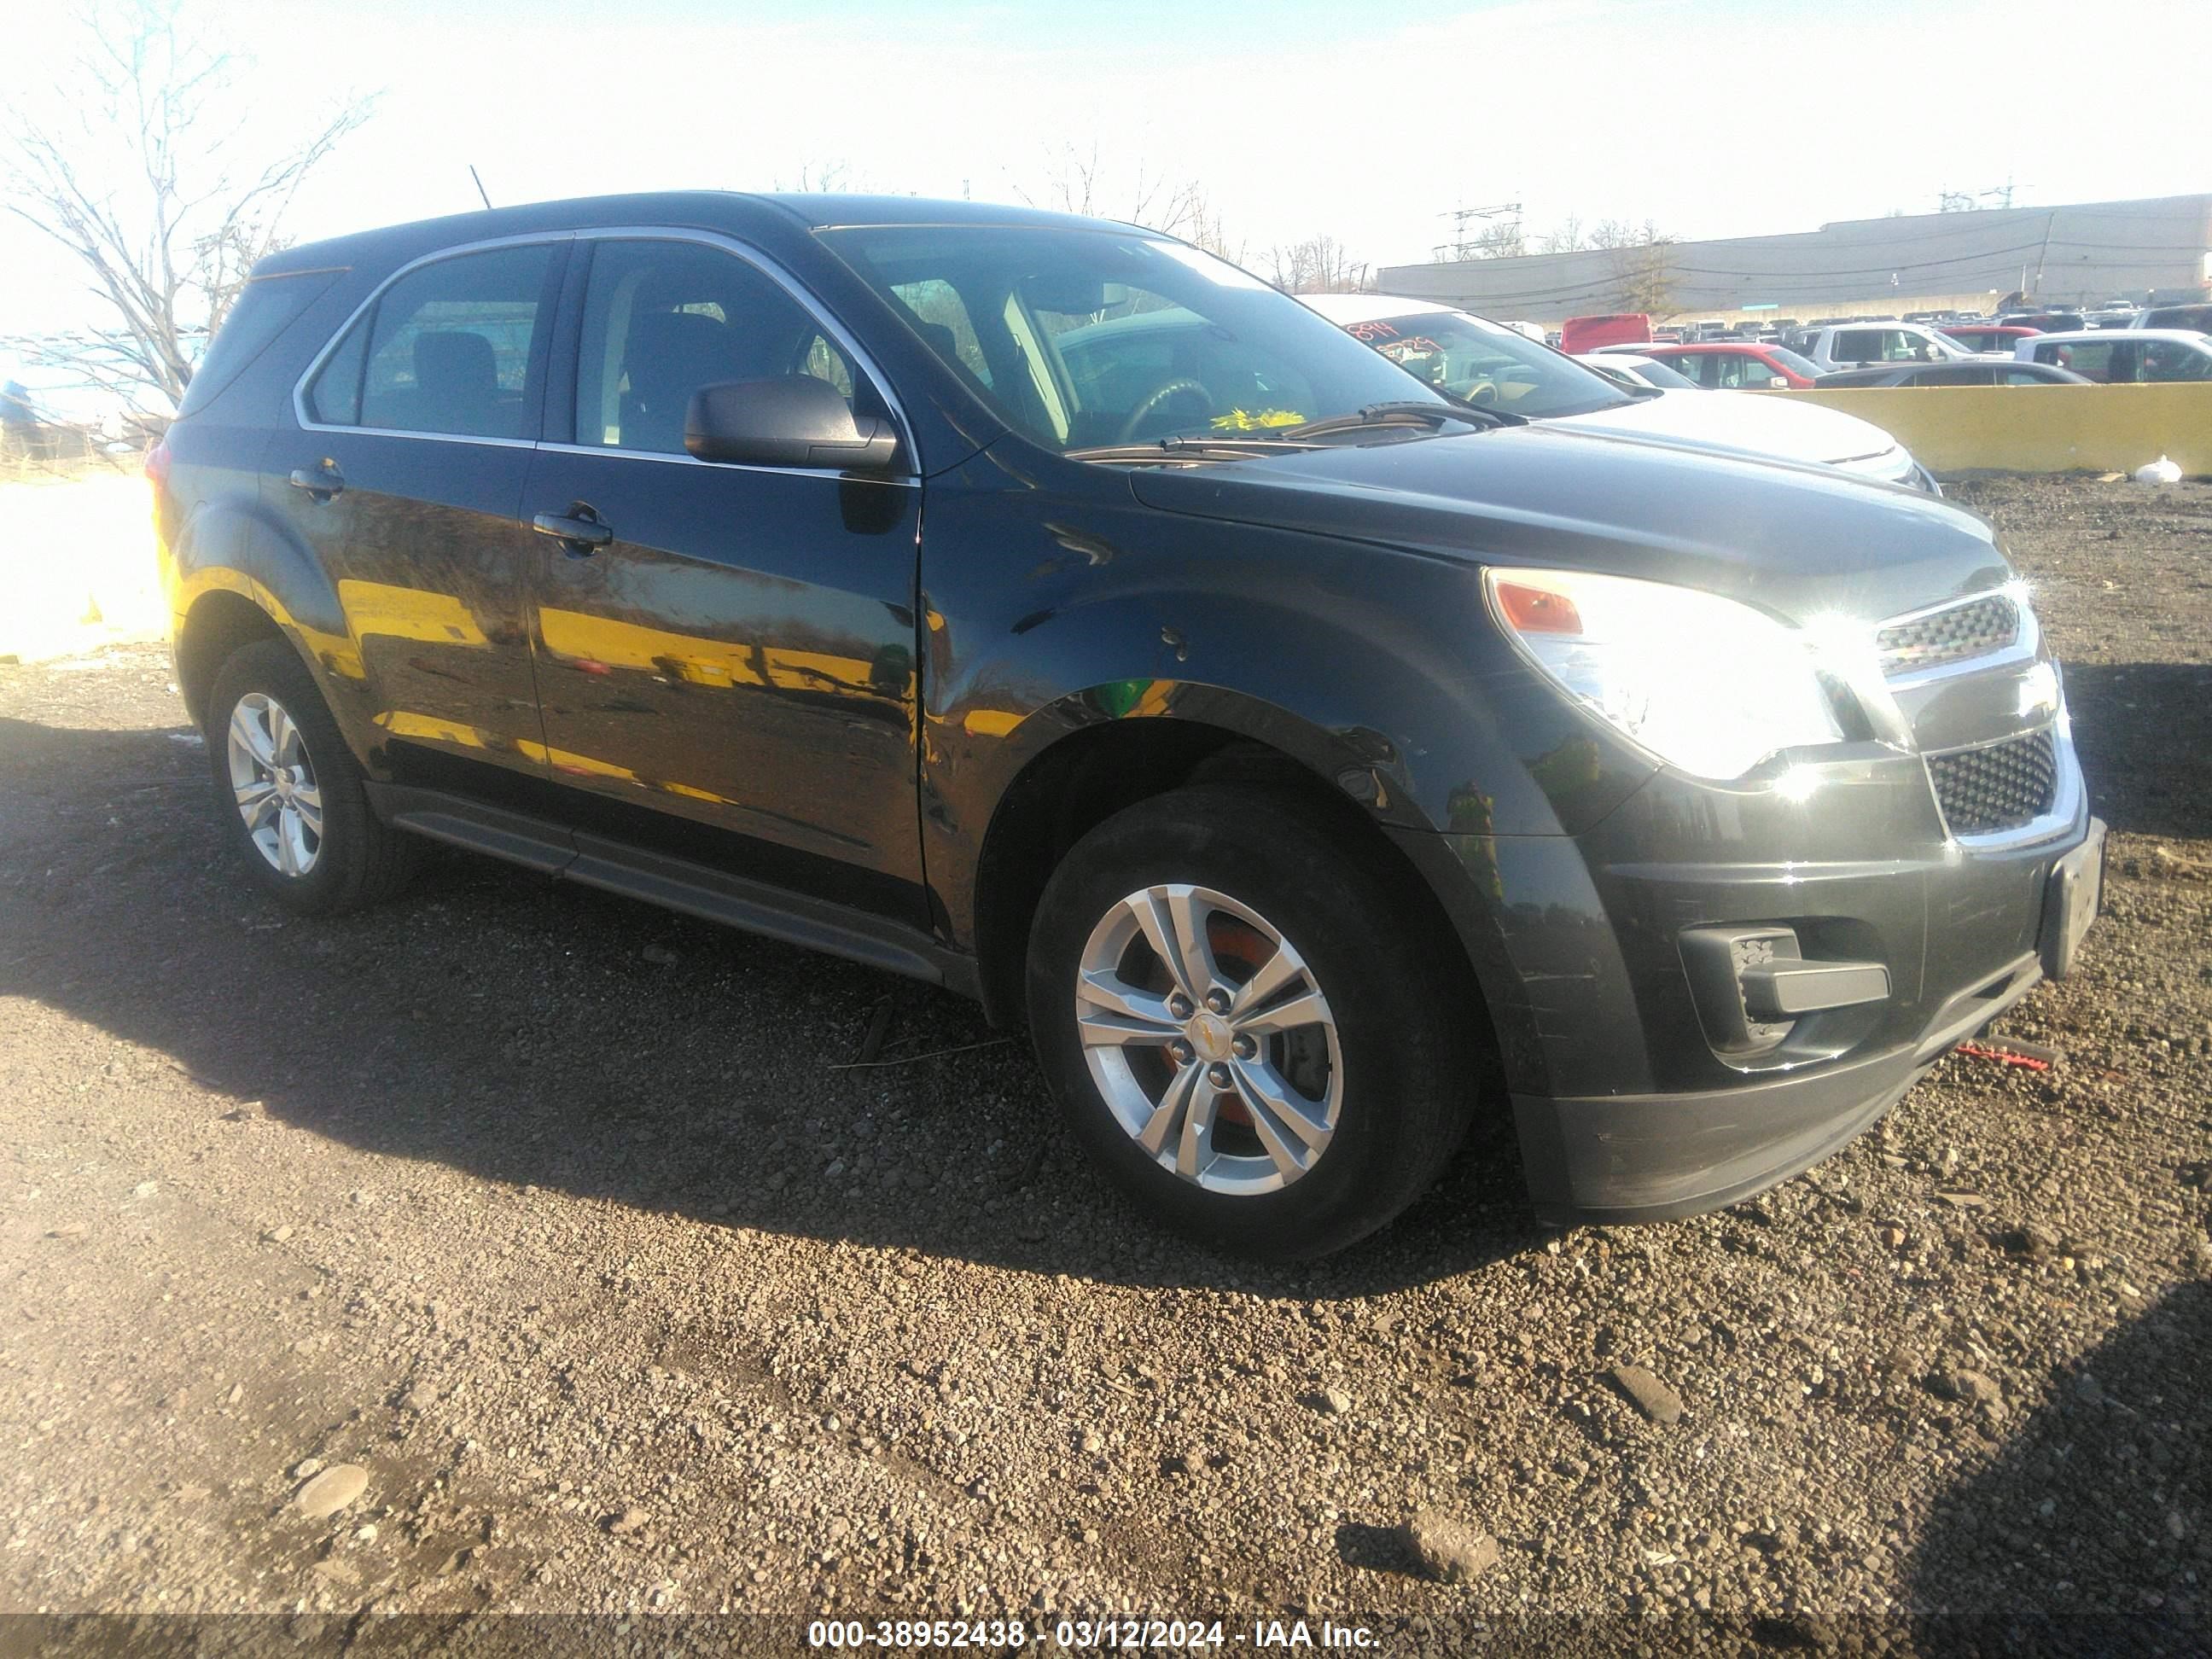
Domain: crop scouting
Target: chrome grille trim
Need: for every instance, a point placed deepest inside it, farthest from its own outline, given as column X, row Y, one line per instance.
column 1962, row 630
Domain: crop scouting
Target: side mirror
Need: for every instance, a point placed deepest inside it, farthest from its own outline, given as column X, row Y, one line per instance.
column 1779, row 382
column 795, row 420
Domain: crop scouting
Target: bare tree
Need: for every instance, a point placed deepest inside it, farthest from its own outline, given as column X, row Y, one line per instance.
column 141, row 173
column 1077, row 181
column 1565, row 237
column 1319, row 264
column 1503, row 241
column 1643, row 264
column 821, row 178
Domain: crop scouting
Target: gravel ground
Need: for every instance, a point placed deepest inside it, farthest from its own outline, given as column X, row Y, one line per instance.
column 566, row 1224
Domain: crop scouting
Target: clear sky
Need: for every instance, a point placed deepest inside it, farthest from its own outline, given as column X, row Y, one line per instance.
column 1362, row 119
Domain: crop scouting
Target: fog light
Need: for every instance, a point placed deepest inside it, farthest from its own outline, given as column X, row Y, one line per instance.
column 1751, row 985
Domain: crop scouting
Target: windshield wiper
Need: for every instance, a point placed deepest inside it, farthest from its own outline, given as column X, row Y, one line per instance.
column 1167, row 450
column 1391, row 414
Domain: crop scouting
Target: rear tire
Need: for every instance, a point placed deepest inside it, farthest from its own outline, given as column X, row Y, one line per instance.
column 1299, row 1080
column 288, row 796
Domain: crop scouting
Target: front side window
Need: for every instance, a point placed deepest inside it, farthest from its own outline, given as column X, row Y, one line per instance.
column 2173, row 360
column 447, row 348
column 1083, row 338
column 662, row 319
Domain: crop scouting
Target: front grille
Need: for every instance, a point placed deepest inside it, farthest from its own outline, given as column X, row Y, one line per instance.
column 2001, row 787
column 1954, row 633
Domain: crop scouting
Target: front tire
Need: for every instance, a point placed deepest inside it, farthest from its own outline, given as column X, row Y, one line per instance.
column 1242, row 1024
column 289, row 794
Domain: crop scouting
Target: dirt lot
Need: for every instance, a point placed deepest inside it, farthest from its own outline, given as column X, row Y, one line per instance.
column 557, row 1218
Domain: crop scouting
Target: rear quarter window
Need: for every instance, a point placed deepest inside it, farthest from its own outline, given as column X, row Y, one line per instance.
column 265, row 308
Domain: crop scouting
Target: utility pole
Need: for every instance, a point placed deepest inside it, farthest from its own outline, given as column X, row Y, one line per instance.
column 1462, row 244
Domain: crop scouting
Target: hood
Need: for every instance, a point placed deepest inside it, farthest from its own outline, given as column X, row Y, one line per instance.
column 1747, row 424
column 1798, row 541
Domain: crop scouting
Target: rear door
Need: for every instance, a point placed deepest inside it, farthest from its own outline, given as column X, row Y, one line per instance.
column 415, row 431
column 730, row 672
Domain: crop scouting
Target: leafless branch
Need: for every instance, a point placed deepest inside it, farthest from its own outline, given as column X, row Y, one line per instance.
column 1319, row 264
column 140, row 175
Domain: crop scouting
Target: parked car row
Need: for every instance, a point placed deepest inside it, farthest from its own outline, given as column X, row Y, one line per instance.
column 1483, row 363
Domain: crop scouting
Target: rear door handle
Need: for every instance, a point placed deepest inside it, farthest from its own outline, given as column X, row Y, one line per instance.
column 321, row 482
column 577, row 534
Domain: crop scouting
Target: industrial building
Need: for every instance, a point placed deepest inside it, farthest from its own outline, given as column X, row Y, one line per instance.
column 2081, row 254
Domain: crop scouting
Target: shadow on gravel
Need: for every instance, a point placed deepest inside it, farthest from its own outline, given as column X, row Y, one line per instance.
column 540, row 1034
column 2093, row 1534
column 2143, row 730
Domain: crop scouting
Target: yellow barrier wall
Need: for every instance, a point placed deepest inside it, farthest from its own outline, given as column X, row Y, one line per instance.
column 2035, row 428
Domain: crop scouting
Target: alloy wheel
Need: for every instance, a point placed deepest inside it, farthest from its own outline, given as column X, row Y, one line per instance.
column 272, row 779
column 1210, row 1039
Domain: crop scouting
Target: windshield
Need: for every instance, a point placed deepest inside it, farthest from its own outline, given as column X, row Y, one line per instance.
column 1790, row 360
column 1079, row 339
column 1483, row 363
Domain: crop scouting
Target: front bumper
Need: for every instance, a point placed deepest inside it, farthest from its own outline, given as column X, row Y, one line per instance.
column 1629, row 1103
column 1652, row 1157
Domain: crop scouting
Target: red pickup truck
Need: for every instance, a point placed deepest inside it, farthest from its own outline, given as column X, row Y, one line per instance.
column 1580, row 334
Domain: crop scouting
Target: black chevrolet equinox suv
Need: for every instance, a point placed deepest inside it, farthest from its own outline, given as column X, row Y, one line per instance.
column 1311, row 761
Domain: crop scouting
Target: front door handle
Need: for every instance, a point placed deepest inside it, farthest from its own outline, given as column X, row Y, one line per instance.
column 578, row 534
column 321, row 482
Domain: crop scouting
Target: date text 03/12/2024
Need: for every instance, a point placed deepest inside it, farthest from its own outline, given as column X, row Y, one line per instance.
column 1086, row 1635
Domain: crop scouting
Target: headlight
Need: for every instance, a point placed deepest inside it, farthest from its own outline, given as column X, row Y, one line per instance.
column 1707, row 685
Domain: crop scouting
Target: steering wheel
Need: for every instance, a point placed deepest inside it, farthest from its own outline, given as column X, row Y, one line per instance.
column 1482, row 392
column 1149, row 405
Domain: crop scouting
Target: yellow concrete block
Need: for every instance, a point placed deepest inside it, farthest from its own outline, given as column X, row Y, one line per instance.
column 2035, row 428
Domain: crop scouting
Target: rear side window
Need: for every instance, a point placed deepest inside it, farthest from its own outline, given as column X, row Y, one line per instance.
column 265, row 309
column 2094, row 358
column 447, row 348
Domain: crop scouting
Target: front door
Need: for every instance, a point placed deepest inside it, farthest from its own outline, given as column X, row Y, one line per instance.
column 417, row 443
column 725, row 654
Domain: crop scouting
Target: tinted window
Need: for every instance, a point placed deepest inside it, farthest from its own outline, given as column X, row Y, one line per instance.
column 2096, row 359
column 2024, row 377
column 1742, row 369
column 261, row 312
column 450, row 347
column 1858, row 345
column 2171, row 360
column 1698, row 365
column 1963, row 376
column 334, row 398
column 663, row 318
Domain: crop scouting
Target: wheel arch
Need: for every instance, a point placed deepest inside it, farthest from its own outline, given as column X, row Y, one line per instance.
column 219, row 621
column 1084, row 776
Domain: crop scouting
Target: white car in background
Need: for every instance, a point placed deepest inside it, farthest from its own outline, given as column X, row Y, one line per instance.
column 1487, row 364
column 1633, row 369
column 2124, row 356
column 1861, row 345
